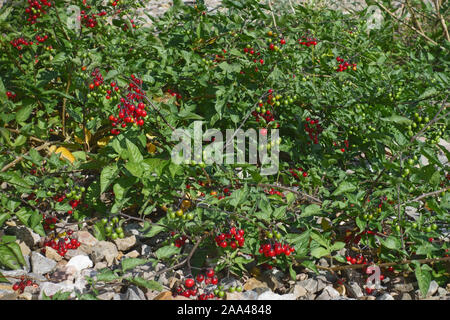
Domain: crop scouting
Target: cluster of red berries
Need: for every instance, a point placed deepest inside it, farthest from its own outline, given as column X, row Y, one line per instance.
column 277, row 249
column 10, row 95
column 59, row 198
column 125, row 26
column 193, row 287
column 251, row 51
column 97, row 79
column 296, row 175
column 49, row 223
column 20, row 286
column 180, row 241
column 345, row 143
column 35, row 9
column 272, row 191
column 349, row 237
column 307, row 41
column 19, row 42
column 40, row 39
column 174, row 94
column 63, row 245
column 115, row 3
column 225, row 240
column 73, row 203
column 344, row 65
column 358, row 260
column 313, row 128
column 267, row 116
column 131, row 109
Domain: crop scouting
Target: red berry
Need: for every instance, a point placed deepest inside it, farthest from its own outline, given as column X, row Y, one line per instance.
column 200, row 278
column 189, row 283
column 210, row 273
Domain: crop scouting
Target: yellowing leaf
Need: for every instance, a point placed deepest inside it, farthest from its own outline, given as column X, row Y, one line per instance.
column 104, row 141
column 326, row 224
column 151, row 148
column 88, row 137
column 64, row 153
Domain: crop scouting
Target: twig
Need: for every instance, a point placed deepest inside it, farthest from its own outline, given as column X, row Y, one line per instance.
column 273, row 15
column 417, row 199
column 382, row 265
column 20, row 158
column 411, row 27
column 441, row 19
column 182, row 263
column 314, row 199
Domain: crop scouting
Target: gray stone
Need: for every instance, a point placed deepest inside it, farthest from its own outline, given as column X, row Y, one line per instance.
column 134, row 293
column 249, row 295
column 356, row 291
column 310, row 285
column 433, row 288
column 324, row 296
column 385, row 296
column 25, row 296
column 24, row 248
column 41, row 264
column 87, row 241
column 442, row 292
column 126, row 243
column 100, row 265
column 7, row 294
column 104, row 250
column 106, row 295
column 323, row 262
column 322, row 282
column 269, row 295
column 146, row 250
column 26, row 235
column 299, row 291
column 328, row 293
column 132, row 254
column 50, row 288
column 53, row 254
column 80, row 262
column 406, row 296
column 73, row 253
column 404, row 287
column 311, row 296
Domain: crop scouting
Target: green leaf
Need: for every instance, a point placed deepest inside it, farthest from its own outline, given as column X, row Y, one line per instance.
column 292, row 273
column 134, row 153
column 3, row 279
column 166, row 252
column 107, row 176
column 111, row 74
column 15, row 248
column 319, row 252
column 154, row 230
column 8, row 258
column 423, row 279
column 107, row 276
column 319, row 239
column 398, row 119
column 310, row 265
column 391, row 243
column 344, row 187
column 337, row 246
column 131, row 263
column 99, row 231
column 149, row 284
column 279, row 213
column 311, row 210
column 24, row 113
